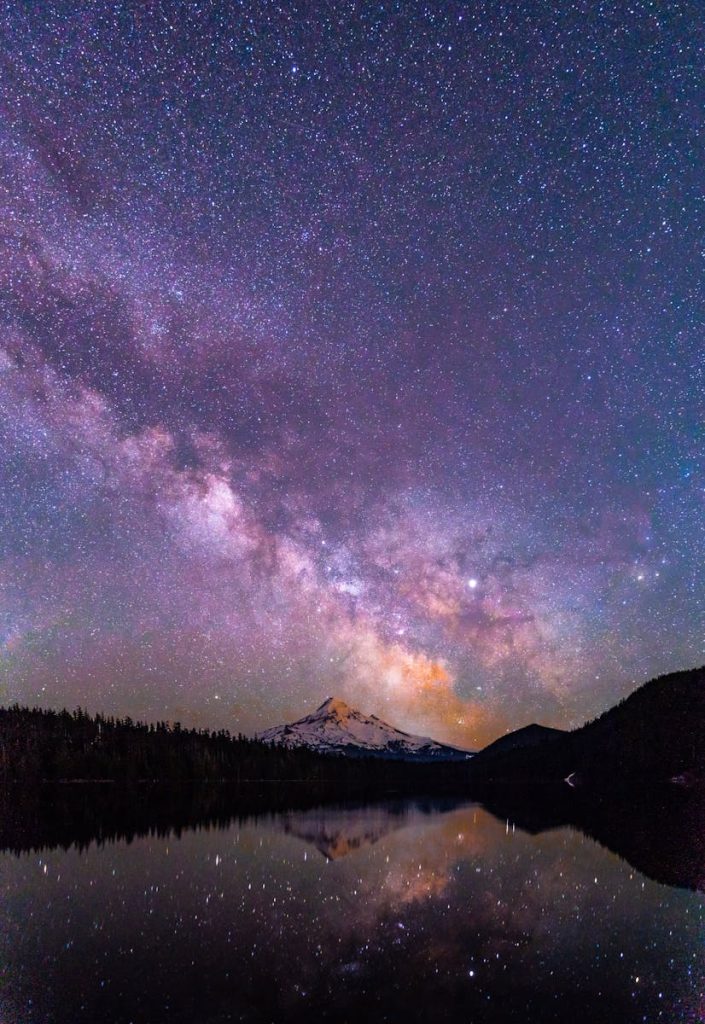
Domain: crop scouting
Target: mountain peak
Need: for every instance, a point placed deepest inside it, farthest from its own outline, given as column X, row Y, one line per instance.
column 333, row 706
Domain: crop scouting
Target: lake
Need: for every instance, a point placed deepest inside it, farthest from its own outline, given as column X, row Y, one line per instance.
column 400, row 910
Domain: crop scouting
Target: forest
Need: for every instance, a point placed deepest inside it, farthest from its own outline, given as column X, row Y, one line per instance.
column 45, row 745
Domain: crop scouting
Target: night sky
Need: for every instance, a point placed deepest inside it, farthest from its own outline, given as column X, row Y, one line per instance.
column 351, row 349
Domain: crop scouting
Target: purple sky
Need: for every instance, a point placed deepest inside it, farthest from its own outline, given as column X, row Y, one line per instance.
column 351, row 349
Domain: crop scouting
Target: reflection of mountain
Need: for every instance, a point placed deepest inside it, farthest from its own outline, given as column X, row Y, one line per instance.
column 78, row 814
column 659, row 830
column 339, row 830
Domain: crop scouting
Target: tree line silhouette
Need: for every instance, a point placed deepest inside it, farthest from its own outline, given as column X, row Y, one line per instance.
column 38, row 744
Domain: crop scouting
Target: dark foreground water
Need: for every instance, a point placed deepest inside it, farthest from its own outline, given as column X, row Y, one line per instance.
column 400, row 911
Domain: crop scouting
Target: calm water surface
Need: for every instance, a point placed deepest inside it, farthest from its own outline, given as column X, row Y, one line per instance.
column 400, row 911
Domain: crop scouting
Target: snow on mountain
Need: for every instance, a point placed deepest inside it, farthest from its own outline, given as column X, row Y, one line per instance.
column 336, row 728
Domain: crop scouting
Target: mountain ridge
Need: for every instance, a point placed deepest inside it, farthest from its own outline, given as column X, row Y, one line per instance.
column 336, row 728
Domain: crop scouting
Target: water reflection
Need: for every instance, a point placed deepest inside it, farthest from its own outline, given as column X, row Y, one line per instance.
column 337, row 830
column 403, row 909
column 660, row 829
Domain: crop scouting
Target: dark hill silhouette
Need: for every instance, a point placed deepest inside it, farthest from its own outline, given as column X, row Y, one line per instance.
column 530, row 736
column 658, row 732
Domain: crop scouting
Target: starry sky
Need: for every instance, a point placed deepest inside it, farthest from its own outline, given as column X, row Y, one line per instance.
column 353, row 349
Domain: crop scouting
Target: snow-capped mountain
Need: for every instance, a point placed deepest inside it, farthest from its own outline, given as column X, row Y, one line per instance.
column 336, row 728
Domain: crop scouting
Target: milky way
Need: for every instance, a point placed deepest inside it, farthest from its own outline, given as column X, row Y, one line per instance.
column 351, row 349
